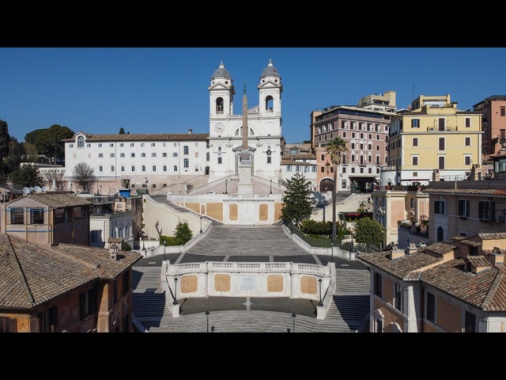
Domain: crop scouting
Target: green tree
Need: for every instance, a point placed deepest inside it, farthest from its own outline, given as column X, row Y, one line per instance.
column 16, row 152
column 4, row 141
column 335, row 147
column 183, row 234
column 26, row 175
column 83, row 175
column 49, row 141
column 370, row 232
column 296, row 200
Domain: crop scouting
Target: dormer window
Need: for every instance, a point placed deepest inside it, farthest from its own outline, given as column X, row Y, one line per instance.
column 80, row 142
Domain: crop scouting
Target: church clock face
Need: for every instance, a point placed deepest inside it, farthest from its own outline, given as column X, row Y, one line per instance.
column 219, row 128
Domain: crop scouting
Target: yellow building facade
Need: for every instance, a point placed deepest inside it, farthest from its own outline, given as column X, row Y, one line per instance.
column 433, row 135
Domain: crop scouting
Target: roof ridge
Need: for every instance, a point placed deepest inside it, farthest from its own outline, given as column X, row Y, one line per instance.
column 492, row 290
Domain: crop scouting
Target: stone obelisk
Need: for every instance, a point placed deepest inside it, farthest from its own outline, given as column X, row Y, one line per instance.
column 245, row 186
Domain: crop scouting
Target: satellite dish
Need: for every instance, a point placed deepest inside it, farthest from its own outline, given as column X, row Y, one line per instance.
column 37, row 189
column 26, row 190
column 43, row 189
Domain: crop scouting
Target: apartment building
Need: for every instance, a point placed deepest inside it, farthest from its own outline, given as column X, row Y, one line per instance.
column 365, row 129
column 48, row 218
column 493, row 110
column 453, row 286
column 65, row 288
column 433, row 134
column 299, row 158
column 396, row 205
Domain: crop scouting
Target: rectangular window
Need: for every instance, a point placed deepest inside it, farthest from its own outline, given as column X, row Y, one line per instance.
column 208, row 156
column 122, row 154
column 469, row 322
column 220, row 160
column 132, row 154
column 503, row 111
column 398, row 295
column 100, row 155
column 415, row 141
column 111, row 155
column 87, row 303
column 414, row 160
column 185, row 149
column 17, row 216
column 47, row 320
column 468, row 122
column 415, row 123
column 131, row 144
column 8, row 325
column 439, row 207
column 378, row 284
column 431, row 308
column 441, row 160
column 175, row 168
column 486, row 210
column 152, row 144
column 100, row 145
column 441, row 124
column 441, row 143
column 153, row 154
column 121, row 145
column 37, row 216
column 164, row 154
column 468, row 141
column 269, row 159
column 174, row 154
column 467, row 160
column 143, row 154
column 464, row 208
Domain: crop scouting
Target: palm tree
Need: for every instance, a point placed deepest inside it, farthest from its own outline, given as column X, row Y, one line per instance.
column 335, row 147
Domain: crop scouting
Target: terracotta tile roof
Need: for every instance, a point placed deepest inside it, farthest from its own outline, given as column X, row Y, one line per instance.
column 492, row 235
column 439, row 248
column 59, row 200
column 144, row 137
column 31, row 275
column 471, row 242
column 404, row 267
column 433, row 190
column 485, row 290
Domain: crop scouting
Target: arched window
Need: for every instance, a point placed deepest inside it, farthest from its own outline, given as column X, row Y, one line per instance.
column 80, row 142
column 219, row 105
column 269, row 101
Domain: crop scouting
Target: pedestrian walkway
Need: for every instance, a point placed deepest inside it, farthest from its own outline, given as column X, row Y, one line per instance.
column 348, row 313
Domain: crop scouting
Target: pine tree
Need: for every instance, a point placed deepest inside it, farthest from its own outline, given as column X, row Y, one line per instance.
column 183, row 234
column 297, row 200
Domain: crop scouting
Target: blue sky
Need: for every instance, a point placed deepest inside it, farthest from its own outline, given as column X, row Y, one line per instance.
column 164, row 90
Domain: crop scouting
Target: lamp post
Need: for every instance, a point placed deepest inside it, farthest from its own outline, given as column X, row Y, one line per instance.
column 293, row 322
column 331, row 251
column 270, row 190
column 320, row 282
column 226, row 186
column 100, row 191
column 207, row 321
column 200, row 224
column 175, row 292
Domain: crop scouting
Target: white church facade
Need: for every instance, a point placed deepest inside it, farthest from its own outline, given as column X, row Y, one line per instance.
column 188, row 162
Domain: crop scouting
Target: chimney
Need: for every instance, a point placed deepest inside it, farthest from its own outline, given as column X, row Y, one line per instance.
column 190, row 131
column 395, row 253
column 114, row 248
column 496, row 256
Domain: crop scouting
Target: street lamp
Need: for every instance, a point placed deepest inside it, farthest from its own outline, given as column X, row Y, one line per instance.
column 270, row 191
column 200, row 224
column 320, row 282
column 226, row 186
column 331, row 251
column 293, row 322
column 207, row 321
column 175, row 292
